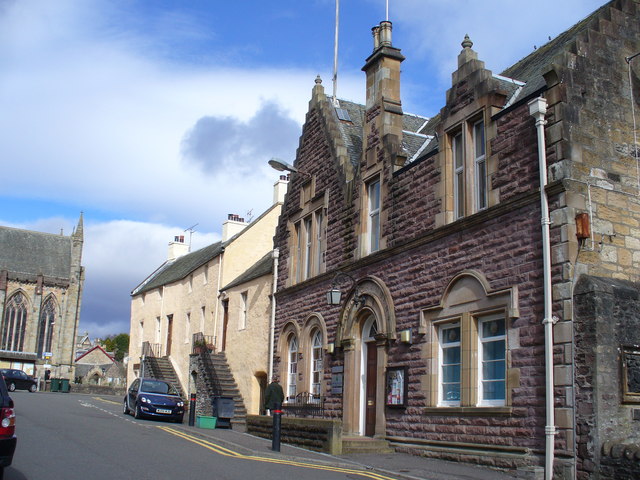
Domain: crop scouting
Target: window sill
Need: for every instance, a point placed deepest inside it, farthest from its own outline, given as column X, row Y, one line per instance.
column 468, row 411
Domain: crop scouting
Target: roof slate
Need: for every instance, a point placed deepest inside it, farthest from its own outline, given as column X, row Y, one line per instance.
column 179, row 268
column 35, row 253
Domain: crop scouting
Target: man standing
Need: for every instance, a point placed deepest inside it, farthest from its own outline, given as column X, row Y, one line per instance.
column 274, row 395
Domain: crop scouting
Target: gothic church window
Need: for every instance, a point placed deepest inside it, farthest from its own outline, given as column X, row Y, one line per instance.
column 14, row 324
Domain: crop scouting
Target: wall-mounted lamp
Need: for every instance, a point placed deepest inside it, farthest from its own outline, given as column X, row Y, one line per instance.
column 405, row 336
column 331, row 347
column 334, row 295
column 283, row 166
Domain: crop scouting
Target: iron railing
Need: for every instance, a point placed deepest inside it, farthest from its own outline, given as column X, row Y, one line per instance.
column 152, row 349
column 304, row 404
column 202, row 343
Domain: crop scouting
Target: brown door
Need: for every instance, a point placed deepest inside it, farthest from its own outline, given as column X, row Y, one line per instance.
column 372, row 373
column 169, row 333
column 225, row 323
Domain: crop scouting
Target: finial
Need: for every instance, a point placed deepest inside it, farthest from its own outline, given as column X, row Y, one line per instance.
column 318, row 80
column 467, row 43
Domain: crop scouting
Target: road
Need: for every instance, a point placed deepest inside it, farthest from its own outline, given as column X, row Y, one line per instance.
column 73, row 436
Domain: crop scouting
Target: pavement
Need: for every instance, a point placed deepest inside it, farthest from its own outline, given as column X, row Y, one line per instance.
column 394, row 465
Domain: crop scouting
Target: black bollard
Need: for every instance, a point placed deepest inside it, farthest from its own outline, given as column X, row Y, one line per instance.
column 192, row 410
column 277, row 420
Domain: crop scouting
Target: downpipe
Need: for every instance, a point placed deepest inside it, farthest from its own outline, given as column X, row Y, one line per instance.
column 538, row 109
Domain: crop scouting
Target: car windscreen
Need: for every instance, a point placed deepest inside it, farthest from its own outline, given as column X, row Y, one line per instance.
column 156, row 386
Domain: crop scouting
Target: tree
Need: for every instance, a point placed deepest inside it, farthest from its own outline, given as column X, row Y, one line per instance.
column 118, row 344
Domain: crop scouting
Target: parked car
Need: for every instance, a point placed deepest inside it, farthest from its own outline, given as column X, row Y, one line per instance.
column 7, row 428
column 18, row 379
column 148, row 397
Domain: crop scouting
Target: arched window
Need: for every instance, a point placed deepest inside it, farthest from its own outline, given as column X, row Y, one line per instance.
column 14, row 323
column 316, row 363
column 292, row 366
column 45, row 327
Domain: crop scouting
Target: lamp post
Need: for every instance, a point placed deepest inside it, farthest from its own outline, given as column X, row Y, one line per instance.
column 334, row 295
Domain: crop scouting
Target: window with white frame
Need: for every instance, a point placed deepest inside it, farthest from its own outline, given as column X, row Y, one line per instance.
column 158, row 329
column 373, row 216
column 469, row 164
column 480, row 165
column 316, row 364
column 187, row 327
column 492, row 356
column 450, row 364
column 458, row 175
column 308, row 257
column 292, row 367
column 242, row 321
column 481, row 351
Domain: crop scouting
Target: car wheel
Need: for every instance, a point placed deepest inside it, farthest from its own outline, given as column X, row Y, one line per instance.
column 33, row 388
column 138, row 412
column 125, row 409
column 180, row 419
column 11, row 387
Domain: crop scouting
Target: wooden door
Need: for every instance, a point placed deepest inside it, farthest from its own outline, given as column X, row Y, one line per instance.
column 225, row 323
column 371, row 389
column 169, row 333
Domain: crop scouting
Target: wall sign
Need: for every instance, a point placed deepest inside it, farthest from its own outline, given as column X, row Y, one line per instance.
column 396, row 392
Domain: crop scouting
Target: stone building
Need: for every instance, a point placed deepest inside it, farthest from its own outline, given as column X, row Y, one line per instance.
column 183, row 303
column 458, row 335
column 41, row 280
column 98, row 367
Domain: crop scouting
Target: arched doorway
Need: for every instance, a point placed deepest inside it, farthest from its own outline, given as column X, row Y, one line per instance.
column 366, row 327
column 368, row 378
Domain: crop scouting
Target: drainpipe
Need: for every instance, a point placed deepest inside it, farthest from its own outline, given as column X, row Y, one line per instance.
column 537, row 109
column 272, row 322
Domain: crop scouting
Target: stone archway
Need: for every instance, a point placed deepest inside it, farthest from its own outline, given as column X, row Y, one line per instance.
column 364, row 346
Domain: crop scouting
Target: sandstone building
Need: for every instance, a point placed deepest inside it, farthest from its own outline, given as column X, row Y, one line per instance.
column 212, row 299
column 483, row 318
column 41, row 280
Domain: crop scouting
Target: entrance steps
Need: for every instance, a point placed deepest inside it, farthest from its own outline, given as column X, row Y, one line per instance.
column 365, row 445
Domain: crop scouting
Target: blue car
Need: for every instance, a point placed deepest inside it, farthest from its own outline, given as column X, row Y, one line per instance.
column 151, row 398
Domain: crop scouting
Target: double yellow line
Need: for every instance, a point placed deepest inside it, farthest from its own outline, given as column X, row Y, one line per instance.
column 230, row 453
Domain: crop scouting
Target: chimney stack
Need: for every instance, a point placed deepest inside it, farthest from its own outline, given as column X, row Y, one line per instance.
column 177, row 248
column 280, row 189
column 383, row 106
column 234, row 225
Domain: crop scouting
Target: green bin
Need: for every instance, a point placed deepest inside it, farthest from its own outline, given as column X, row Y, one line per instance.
column 64, row 385
column 55, row 384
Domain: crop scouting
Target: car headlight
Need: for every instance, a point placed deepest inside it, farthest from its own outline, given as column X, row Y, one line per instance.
column 145, row 400
column 180, row 404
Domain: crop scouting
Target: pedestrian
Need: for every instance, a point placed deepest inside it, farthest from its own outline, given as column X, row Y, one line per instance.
column 273, row 395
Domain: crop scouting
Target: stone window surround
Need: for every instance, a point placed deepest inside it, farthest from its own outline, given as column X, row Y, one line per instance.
column 312, row 210
column 466, row 298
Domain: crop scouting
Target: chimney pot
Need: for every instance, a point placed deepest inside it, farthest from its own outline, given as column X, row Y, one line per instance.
column 375, row 31
column 385, row 34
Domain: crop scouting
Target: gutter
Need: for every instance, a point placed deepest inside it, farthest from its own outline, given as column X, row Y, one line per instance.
column 537, row 109
column 272, row 321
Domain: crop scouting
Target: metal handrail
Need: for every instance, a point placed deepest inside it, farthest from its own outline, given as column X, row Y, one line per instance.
column 151, row 349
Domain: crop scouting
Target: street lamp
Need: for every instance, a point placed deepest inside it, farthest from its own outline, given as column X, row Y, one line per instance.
column 283, row 166
column 334, row 295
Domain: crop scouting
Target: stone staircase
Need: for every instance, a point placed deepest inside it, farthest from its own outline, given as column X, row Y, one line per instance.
column 365, row 445
column 162, row 369
column 220, row 382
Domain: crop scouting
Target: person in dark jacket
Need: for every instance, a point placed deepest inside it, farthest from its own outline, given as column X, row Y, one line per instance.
column 273, row 395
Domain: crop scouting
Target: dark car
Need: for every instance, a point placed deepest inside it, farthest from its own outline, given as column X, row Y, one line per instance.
column 17, row 379
column 148, row 397
column 7, row 428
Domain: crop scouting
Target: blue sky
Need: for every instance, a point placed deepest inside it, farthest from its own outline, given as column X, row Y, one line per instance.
column 151, row 116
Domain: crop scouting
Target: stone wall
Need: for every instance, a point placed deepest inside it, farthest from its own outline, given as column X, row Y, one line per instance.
column 607, row 318
column 314, row 434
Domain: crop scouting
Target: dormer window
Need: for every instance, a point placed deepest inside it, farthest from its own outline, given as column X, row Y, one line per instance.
column 373, row 216
column 468, row 162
